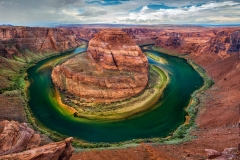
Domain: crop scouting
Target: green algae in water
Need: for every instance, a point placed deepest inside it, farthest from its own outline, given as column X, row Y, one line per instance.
column 159, row 122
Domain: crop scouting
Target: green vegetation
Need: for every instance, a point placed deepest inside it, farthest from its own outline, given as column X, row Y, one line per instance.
column 156, row 58
column 12, row 71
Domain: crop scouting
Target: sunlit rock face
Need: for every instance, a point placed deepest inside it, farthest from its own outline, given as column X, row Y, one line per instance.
column 113, row 69
column 114, row 49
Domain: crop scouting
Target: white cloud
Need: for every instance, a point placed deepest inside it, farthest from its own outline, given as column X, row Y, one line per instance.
column 205, row 12
column 78, row 11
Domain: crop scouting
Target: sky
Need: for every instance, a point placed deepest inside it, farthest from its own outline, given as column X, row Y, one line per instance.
column 55, row 12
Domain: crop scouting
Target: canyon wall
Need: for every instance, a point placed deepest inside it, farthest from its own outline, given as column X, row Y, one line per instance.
column 217, row 50
column 22, row 46
column 139, row 35
column 220, row 41
column 143, row 36
column 16, row 40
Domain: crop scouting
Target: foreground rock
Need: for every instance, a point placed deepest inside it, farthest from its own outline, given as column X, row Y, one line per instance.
column 228, row 153
column 55, row 151
column 16, row 137
column 113, row 69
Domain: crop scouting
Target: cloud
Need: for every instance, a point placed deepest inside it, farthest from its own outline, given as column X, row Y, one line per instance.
column 196, row 13
column 89, row 13
column 29, row 12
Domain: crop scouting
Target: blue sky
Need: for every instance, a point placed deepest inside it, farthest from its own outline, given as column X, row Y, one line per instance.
column 46, row 12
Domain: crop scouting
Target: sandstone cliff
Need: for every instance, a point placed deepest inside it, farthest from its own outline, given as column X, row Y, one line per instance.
column 184, row 40
column 220, row 41
column 114, row 49
column 22, row 46
column 16, row 40
column 113, row 69
column 18, row 141
column 139, row 35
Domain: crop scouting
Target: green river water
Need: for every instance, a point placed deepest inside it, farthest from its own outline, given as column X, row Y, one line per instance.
column 161, row 121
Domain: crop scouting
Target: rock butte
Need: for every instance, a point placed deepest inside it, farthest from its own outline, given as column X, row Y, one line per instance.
column 113, row 69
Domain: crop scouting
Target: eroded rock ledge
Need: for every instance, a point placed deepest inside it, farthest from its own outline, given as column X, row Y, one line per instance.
column 113, row 69
column 18, row 141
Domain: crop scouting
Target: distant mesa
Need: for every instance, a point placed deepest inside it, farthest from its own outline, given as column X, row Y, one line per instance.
column 7, row 25
column 113, row 69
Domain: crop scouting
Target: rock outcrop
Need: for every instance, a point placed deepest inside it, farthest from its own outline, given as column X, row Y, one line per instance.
column 18, row 141
column 16, row 137
column 55, row 151
column 228, row 153
column 113, row 69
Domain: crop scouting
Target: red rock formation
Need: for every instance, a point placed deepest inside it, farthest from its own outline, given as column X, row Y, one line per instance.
column 23, row 45
column 15, row 138
column 115, row 69
column 55, row 151
column 198, row 41
column 15, row 40
column 139, row 35
column 114, row 49
column 184, row 40
column 228, row 153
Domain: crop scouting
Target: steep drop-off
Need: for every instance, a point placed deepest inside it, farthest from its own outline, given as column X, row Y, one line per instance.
column 113, row 69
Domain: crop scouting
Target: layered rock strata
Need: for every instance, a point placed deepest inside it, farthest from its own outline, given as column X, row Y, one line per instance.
column 21, row 46
column 16, row 40
column 113, row 69
column 16, row 137
column 18, row 141
column 198, row 41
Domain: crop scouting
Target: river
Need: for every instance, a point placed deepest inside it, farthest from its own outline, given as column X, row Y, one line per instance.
column 161, row 121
